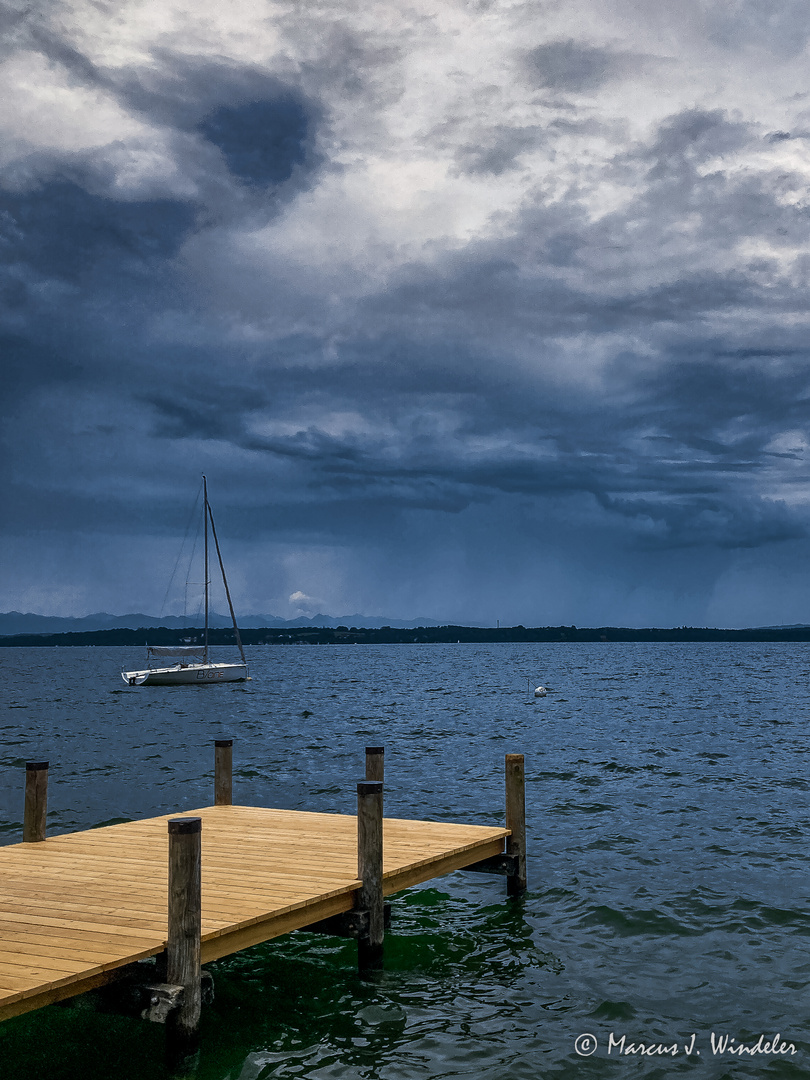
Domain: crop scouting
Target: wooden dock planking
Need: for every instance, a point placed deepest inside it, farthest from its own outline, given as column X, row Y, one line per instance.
column 75, row 908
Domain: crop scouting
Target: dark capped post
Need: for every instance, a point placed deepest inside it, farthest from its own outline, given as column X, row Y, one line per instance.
column 516, row 821
column 223, row 772
column 369, row 898
column 36, row 801
column 375, row 763
column 185, row 921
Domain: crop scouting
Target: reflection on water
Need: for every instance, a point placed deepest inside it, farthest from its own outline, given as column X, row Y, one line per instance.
column 667, row 791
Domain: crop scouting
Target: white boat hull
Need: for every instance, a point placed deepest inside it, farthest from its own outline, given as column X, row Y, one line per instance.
column 186, row 675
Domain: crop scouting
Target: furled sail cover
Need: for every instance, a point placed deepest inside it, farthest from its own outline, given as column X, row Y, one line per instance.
column 176, row 650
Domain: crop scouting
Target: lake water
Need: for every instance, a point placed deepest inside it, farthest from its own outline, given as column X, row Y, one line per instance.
column 669, row 842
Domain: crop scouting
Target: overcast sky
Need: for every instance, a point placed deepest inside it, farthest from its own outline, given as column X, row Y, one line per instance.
column 469, row 310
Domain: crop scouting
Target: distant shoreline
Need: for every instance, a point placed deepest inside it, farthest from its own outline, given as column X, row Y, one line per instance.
column 433, row 635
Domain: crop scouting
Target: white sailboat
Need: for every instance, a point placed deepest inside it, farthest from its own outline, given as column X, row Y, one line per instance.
column 192, row 664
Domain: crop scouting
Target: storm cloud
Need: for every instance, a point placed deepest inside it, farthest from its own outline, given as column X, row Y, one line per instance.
column 470, row 313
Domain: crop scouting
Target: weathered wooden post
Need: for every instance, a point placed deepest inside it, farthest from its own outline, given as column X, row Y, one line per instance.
column 185, row 922
column 369, row 898
column 223, row 772
column 36, row 801
column 516, row 821
column 375, row 763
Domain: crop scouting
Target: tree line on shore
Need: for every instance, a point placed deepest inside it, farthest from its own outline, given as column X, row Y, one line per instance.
column 433, row 635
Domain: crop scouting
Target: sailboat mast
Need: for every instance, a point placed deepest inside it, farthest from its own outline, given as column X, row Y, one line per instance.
column 227, row 590
column 206, row 512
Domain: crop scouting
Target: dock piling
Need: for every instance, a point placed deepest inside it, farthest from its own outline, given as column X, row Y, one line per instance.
column 369, row 898
column 375, row 763
column 183, row 946
column 223, row 772
column 516, row 821
column 36, row 801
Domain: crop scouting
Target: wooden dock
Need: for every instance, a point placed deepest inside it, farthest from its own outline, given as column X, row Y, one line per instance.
column 76, row 907
column 78, row 910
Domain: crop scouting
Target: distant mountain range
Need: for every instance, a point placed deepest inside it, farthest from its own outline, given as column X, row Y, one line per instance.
column 16, row 622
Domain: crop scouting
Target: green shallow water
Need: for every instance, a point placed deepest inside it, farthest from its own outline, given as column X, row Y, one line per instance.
column 669, row 830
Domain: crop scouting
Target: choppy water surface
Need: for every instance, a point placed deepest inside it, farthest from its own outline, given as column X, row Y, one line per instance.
column 669, row 835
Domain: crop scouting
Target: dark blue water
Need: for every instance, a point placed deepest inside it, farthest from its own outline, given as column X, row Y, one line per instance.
column 669, row 838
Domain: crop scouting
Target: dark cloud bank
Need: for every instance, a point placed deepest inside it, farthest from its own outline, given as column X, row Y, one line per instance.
column 579, row 419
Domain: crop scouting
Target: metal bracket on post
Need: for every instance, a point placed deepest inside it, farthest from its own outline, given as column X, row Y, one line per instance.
column 162, row 999
column 505, row 865
column 369, row 897
column 349, row 924
column 159, row 1001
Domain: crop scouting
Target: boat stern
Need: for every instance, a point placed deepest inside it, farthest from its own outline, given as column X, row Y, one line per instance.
column 134, row 678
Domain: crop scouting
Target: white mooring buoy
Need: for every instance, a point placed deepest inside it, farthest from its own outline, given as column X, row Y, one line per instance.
column 539, row 691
